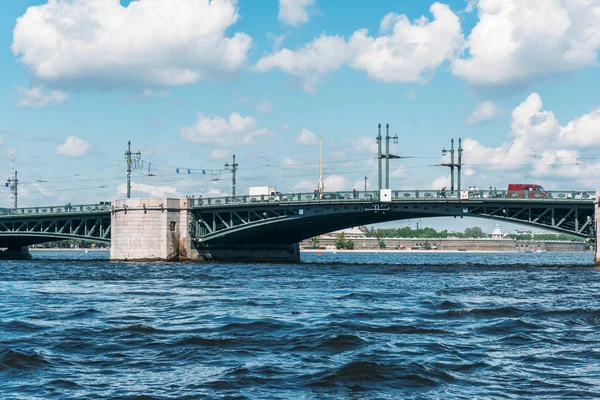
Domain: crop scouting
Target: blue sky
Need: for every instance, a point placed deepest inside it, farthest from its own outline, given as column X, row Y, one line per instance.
column 191, row 82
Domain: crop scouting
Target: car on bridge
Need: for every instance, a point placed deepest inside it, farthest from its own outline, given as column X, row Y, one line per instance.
column 526, row 190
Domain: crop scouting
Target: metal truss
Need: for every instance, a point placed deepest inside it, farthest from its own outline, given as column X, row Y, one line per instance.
column 209, row 223
column 566, row 218
column 89, row 227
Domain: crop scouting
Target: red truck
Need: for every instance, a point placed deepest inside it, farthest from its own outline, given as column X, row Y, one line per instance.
column 526, row 190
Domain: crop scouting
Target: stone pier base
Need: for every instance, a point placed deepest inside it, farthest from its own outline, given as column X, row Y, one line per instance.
column 151, row 229
column 21, row 253
column 597, row 227
column 262, row 253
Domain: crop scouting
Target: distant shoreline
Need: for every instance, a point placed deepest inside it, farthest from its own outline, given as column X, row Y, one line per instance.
column 344, row 251
column 59, row 249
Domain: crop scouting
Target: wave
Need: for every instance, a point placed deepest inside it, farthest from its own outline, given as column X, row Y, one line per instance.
column 256, row 327
column 487, row 312
column 369, row 374
column 21, row 360
column 142, row 328
column 395, row 329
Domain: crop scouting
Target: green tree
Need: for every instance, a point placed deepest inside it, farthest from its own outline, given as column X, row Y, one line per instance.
column 382, row 244
column 349, row 244
column 314, row 241
column 427, row 246
column 340, row 242
column 474, row 232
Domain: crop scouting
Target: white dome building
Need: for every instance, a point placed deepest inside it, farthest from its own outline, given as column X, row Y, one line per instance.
column 497, row 233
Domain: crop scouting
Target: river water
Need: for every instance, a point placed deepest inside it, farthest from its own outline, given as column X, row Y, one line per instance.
column 345, row 325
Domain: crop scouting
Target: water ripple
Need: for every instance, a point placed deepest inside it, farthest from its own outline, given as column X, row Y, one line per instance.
column 417, row 326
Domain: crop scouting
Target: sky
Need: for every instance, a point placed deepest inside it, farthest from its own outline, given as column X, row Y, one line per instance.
column 192, row 82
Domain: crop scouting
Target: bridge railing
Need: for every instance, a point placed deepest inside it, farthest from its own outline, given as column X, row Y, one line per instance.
column 409, row 195
column 47, row 210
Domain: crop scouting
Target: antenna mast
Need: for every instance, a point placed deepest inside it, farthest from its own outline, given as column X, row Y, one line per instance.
column 320, row 185
column 13, row 183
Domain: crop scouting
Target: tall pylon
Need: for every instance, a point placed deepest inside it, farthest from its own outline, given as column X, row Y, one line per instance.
column 13, row 184
column 320, row 185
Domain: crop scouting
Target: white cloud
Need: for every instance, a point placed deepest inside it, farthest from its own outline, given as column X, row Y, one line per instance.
column 324, row 54
column 583, row 131
column 289, row 163
column 403, row 52
column 540, row 146
column 103, row 44
column 334, row 183
column 406, row 51
column 410, row 95
column 218, row 154
column 73, row 147
column 519, row 42
column 306, row 138
column 484, row 112
column 471, row 5
column 264, row 106
column 440, row 182
column 236, row 130
column 152, row 191
column 277, row 40
column 37, row 97
column 293, row 12
column 155, row 94
column 366, row 145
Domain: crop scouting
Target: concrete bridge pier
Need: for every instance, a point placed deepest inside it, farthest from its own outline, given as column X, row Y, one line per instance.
column 151, row 229
column 597, row 228
column 15, row 253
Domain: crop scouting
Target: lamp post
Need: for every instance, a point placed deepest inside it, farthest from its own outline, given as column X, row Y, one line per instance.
column 451, row 164
column 128, row 155
column 234, row 168
column 388, row 155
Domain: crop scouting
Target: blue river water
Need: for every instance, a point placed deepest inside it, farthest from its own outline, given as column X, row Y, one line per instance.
column 345, row 325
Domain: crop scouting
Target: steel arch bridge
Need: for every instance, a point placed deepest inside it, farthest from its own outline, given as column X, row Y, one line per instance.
column 290, row 219
column 27, row 226
column 281, row 220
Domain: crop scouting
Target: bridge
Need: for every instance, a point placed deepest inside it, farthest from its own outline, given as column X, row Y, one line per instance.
column 270, row 228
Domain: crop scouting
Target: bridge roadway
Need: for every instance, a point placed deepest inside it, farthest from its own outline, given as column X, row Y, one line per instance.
column 261, row 220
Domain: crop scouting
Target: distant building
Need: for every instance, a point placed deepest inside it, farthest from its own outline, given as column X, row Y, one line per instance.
column 523, row 232
column 497, row 233
column 350, row 233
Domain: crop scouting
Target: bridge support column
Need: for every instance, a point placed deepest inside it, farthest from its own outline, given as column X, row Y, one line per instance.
column 151, row 229
column 597, row 228
column 16, row 253
column 256, row 253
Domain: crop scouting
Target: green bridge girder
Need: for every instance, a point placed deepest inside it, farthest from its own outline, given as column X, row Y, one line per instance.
column 293, row 218
column 290, row 219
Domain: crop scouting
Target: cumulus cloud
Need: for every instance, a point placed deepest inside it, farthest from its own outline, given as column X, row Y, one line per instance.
column 519, row 42
column 103, row 44
column 294, row 12
column 264, row 106
column 334, row 183
column 306, row 138
column 153, row 191
column 404, row 51
column 539, row 144
column 73, row 147
column 218, row 154
column 236, row 130
column 37, row 97
column 484, row 112
column 309, row 62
